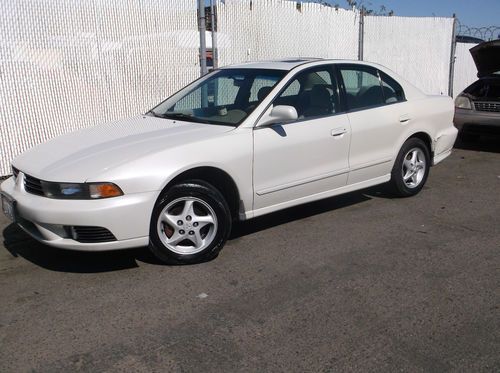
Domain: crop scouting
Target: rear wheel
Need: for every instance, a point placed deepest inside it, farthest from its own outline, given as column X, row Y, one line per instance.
column 411, row 168
column 190, row 223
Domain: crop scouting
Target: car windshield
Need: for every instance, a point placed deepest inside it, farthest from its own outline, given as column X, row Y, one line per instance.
column 223, row 97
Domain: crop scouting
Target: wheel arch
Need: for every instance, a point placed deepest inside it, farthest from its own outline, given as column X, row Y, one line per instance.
column 426, row 138
column 217, row 177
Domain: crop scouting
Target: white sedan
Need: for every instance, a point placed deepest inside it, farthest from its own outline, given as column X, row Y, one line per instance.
column 242, row 141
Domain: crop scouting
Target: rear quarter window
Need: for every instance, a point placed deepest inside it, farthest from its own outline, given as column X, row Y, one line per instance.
column 393, row 92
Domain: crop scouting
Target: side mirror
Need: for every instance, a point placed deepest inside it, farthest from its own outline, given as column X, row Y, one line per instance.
column 278, row 114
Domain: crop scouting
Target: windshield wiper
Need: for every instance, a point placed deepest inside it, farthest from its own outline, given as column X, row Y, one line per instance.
column 178, row 115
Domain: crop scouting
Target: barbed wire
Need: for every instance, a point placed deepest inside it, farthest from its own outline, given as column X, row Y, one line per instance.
column 485, row 33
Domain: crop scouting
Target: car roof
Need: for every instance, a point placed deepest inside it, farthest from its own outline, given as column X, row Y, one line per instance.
column 287, row 63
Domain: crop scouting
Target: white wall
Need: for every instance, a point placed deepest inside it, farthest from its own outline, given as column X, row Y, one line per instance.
column 66, row 65
column 465, row 69
column 418, row 49
column 273, row 29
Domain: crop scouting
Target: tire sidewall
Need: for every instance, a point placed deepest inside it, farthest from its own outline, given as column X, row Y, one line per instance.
column 397, row 178
column 205, row 192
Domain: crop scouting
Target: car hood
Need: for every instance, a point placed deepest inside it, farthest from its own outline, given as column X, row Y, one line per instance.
column 78, row 156
column 486, row 57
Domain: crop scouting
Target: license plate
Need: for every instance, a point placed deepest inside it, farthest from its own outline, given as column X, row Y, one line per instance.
column 9, row 207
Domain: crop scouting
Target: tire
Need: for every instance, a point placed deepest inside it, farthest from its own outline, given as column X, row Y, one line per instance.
column 190, row 223
column 413, row 159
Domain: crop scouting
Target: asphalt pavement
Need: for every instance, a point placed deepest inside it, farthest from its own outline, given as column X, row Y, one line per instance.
column 356, row 283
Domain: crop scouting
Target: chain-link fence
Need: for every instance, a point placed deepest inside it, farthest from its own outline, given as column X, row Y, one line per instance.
column 419, row 49
column 465, row 71
column 275, row 29
column 67, row 65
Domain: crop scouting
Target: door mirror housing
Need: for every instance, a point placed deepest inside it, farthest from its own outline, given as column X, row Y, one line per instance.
column 278, row 114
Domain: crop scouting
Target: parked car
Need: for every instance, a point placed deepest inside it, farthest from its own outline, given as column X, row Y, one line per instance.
column 477, row 108
column 241, row 142
column 468, row 39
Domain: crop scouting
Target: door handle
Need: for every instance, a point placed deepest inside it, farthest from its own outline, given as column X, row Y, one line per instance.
column 337, row 132
column 405, row 118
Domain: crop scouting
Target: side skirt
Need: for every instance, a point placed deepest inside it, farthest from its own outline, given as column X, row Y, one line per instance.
column 318, row 196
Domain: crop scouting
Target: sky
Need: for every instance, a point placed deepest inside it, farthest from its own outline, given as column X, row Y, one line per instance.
column 473, row 13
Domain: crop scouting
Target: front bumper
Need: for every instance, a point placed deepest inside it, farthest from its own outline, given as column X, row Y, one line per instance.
column 475, row 118
column 126, row 217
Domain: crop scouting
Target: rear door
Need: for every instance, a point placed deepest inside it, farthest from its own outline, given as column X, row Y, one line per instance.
column 377, row 115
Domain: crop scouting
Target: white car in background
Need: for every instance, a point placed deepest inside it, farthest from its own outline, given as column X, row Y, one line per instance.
column 240, row 142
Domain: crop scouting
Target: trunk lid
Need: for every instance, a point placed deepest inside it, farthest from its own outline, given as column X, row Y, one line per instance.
column 486, row 57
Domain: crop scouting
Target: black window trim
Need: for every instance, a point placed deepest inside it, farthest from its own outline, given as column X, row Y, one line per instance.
column 353, row 66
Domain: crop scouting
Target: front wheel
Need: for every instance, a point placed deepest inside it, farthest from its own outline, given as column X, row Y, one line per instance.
column 190, row 223
column 411, row 168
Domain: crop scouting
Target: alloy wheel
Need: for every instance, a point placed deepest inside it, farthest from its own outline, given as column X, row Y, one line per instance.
column 414, row 168
column 187, row 225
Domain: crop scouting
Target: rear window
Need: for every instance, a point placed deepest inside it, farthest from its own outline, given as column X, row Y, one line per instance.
column 362, row 87
column 393, row 92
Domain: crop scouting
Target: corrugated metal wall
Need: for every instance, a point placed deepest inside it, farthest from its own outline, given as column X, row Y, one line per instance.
column 418, row 49
column 65, row 65
column 465, row 69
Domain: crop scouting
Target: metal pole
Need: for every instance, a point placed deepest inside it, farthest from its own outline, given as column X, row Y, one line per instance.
column 203, row 44
column 361, row 33
column 215, row 53
column 452, row 57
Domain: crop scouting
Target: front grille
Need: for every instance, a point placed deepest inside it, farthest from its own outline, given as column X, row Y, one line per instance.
column 33, row 185
column 487, row 106
column 92, row 234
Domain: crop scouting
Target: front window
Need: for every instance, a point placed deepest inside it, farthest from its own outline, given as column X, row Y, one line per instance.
column 313, row 93
column 224, row 97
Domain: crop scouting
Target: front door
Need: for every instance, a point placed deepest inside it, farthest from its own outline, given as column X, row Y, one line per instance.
column 294, row 161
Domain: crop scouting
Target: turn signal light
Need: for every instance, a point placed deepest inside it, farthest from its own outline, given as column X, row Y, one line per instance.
column 104, row 190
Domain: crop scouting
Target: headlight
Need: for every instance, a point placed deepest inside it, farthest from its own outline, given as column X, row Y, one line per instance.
column 463, row 102
column 80, row 190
